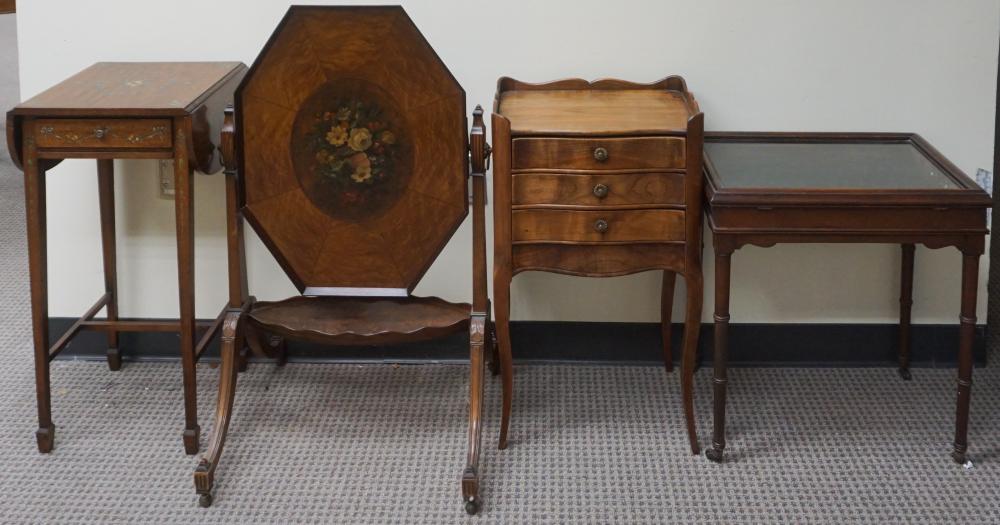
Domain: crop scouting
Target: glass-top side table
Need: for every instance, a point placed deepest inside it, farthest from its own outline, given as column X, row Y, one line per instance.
column 768, row 188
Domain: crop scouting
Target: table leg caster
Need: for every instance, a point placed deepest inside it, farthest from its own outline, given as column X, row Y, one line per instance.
column 959, row 457
column 714, row 454
column 472, row 506
column 205, row 501
column 905, row 374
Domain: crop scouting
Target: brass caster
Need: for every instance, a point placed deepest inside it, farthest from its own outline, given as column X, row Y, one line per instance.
column 905, row 374
column 205, row 501
column 714, row 454
column 472, row 506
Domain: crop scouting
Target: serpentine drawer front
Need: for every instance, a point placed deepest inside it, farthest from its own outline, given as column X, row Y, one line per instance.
column 599, row 153
column 598, row 189
column 587, row 226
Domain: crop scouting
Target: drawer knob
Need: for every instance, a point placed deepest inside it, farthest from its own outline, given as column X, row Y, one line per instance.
column 601, row 225
column 600, row 154
column 100, row 132
column 600, row 191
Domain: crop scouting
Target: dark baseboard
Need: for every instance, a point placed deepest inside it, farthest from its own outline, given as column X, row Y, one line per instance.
column 804, row 345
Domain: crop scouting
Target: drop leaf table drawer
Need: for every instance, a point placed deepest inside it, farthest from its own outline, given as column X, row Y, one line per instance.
column 599, row 153
column 103, row 133
column 572, row 226
column 599, row 189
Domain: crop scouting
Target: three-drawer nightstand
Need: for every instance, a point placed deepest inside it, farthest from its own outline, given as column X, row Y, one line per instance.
column 598, row 179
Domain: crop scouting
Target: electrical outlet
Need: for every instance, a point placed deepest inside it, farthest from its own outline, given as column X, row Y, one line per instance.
column 166, row 178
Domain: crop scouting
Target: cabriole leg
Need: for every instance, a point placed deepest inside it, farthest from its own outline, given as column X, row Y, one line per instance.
column 666, row 314
column 692, row 325
column 501, row 292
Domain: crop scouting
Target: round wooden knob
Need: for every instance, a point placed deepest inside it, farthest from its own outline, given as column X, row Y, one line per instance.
column 600, row 191
column 601, row 225
column 600, row 154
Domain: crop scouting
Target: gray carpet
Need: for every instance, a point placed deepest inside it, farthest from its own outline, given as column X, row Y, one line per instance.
column 384, row 444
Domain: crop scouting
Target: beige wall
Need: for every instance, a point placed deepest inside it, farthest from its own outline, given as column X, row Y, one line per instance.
column 851, row 65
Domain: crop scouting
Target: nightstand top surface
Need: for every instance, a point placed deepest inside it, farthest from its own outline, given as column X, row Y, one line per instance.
column 121, row 88
column 595, row 112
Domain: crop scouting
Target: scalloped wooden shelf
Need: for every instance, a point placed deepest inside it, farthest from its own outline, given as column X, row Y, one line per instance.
column 361, row 320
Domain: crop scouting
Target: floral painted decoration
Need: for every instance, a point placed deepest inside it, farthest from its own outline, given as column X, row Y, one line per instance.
column 354, row 148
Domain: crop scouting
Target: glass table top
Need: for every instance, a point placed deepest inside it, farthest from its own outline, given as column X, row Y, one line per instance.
column 828, row 165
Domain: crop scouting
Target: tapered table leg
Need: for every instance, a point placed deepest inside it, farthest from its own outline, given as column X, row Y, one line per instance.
column 905, row 307
column 106, row 195
column 184, row 207
column 967, row 333
column 721, row 344
column 34, row 195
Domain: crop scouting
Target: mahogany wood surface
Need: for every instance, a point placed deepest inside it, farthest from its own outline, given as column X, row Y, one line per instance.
column 582, row 153
column 136, row 110
column 104, row 133
column 595, row 112
column 598, row 179
column 333, row 199
column 597, row 189
column 348, row 151
column 953, row 216
column 117, row 89
column 596, row 226
column 361, row 320
column 8, row 6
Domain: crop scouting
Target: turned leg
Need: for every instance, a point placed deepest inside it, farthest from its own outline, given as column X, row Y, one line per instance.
column 184, row 207
column 967, row 334
column 721, row 344
column 470, row 476
column 231, row 341
column 34, row 195
column 501, row 293
column 905, row 307
column 692, row 325
column 666, row 311
column 106, row 194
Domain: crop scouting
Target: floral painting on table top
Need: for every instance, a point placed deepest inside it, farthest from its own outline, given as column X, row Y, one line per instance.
column 350, row 150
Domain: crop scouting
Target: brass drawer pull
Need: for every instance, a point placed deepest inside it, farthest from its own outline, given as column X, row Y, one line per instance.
column 100, row 132
column 600, row 154
column 600, row 191
column 601, row 225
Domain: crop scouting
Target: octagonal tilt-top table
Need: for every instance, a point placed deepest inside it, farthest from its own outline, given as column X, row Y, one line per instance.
column 768, row 188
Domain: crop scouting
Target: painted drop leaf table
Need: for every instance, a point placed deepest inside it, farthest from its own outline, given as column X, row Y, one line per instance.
column 121, row 110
